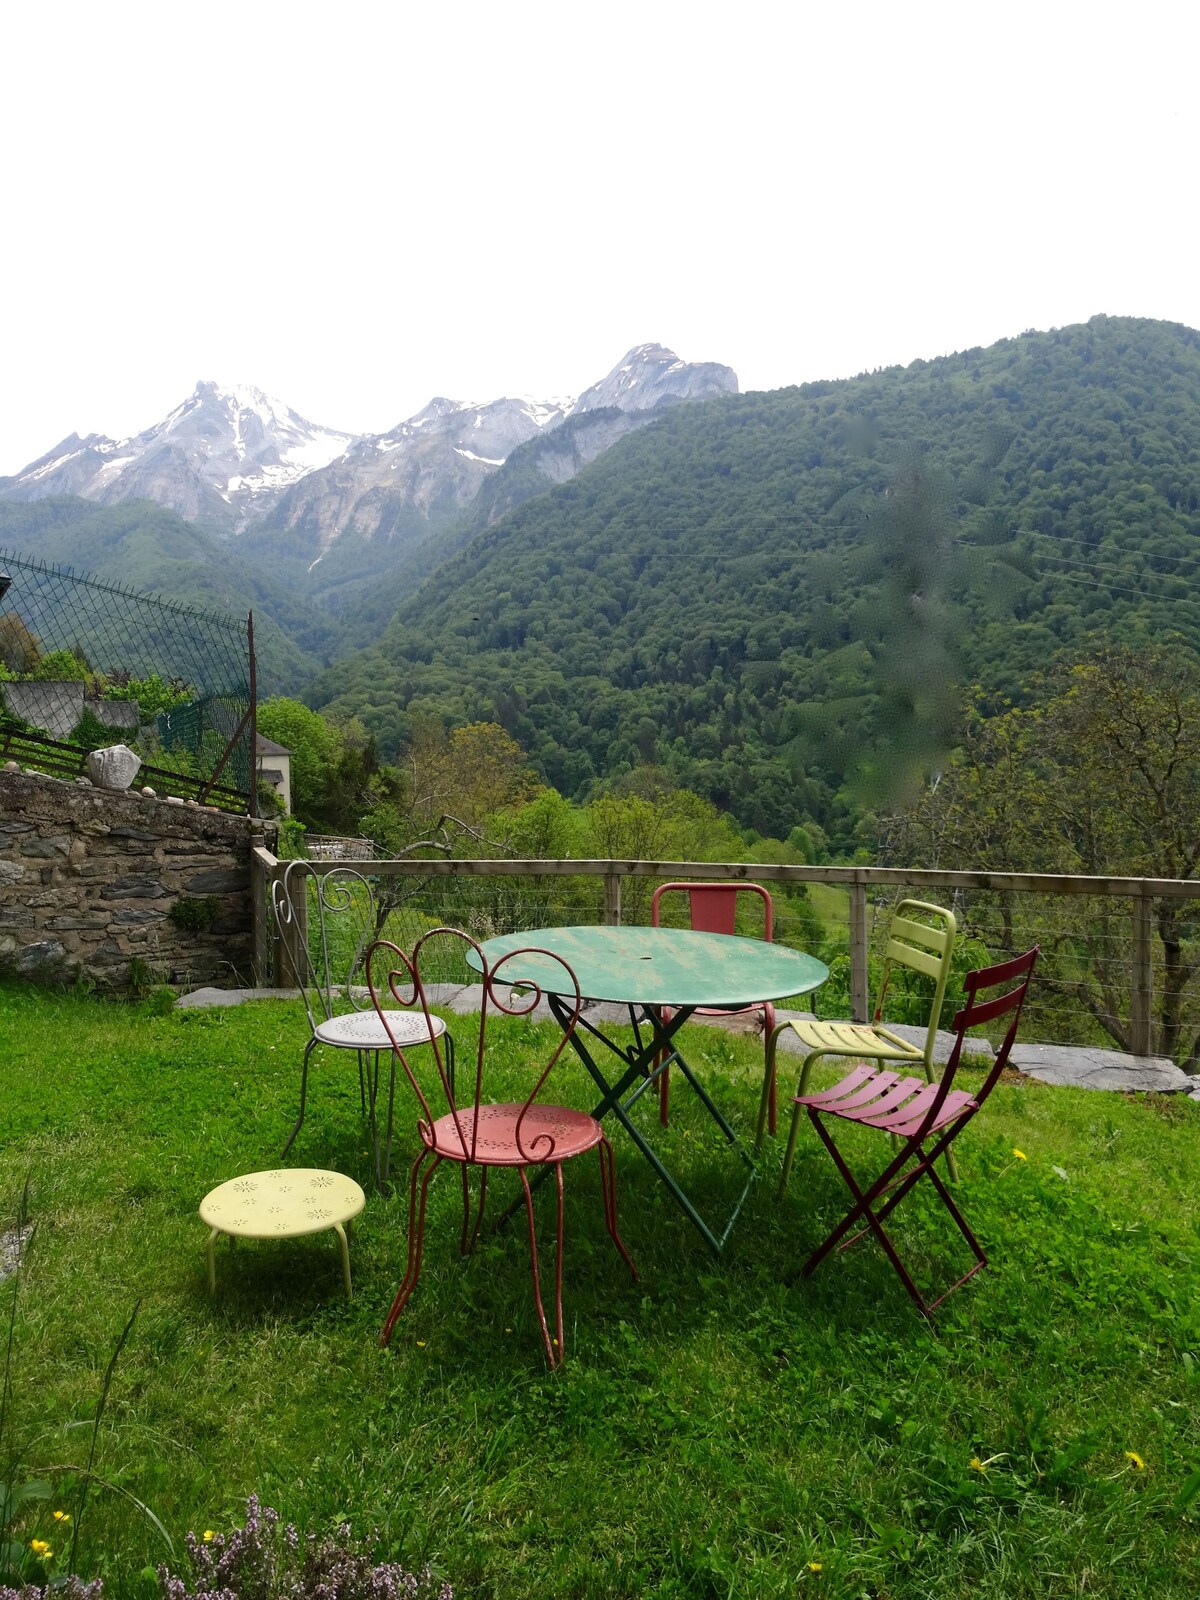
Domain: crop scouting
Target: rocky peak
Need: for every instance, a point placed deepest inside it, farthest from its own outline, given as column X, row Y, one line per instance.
column 649, row 375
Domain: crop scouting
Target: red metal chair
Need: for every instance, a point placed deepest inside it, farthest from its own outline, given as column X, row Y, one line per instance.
column 477, row 1133
column 712, row 908
column 916, row 1111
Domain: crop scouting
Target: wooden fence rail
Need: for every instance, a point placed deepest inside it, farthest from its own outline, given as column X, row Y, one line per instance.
column 1139, row 892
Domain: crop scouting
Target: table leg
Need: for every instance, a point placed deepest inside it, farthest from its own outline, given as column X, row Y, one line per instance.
column 210, row 1256
column 341, row 1233
column 639, row 1065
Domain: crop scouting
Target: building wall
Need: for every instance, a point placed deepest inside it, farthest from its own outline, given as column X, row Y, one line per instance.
column 89, row 877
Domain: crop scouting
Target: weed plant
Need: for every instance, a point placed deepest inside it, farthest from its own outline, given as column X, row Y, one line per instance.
column 713, row 1433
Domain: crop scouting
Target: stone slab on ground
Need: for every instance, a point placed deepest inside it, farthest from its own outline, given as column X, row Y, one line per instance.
column 1083, row 1067
column 232, row 997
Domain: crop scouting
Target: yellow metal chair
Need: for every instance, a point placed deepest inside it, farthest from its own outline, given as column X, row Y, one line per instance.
column 921, row 939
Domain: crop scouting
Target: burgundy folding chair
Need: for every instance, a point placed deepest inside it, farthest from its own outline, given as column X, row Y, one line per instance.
column 475, row 1132
column 712, row 908
column 916, row 1111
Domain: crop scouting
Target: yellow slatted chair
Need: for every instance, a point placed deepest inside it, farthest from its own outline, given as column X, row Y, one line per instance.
column 921, row 939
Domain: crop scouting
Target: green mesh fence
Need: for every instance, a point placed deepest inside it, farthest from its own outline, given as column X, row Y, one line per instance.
column 87, row 663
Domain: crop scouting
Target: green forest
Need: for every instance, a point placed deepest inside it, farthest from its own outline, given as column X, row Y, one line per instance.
column 786, row 599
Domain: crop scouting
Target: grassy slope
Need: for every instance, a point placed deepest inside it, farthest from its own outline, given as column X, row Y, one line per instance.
column 712, row 1432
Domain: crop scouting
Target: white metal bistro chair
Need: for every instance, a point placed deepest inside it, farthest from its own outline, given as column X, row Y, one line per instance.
column 326, row 932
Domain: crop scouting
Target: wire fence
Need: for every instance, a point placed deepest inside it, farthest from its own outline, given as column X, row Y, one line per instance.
column 1120, row 964
column 84, row 663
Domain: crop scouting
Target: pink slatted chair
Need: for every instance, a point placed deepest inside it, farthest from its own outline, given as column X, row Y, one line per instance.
column 712, row 908
column 474, row 1132
column 916, row 1112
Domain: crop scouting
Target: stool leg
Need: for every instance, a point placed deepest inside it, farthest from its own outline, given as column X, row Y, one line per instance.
column 210, row 1257
column 341, row 1233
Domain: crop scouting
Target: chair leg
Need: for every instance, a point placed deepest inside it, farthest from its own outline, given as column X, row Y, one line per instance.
column 291, row 1138
column 766, row 1104
column 470, row 1238
column 608, row 1185
column 664, row 1080
column 416, row 1239
column 533, row 1256
column 793, row 1131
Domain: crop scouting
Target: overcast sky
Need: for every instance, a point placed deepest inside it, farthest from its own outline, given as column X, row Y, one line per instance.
column 359, row 205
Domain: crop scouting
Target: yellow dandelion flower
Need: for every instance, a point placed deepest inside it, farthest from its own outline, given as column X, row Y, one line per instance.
column 1020, row 1155
column 1136, row 1459
column 62, row 1516
column 420, row 1344
column 814, row 1566
column 977, row 1465
column 41, row 1548
column 209, row 1536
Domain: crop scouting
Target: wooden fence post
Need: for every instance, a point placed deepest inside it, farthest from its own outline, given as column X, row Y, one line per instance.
column 259, row 908
column 612, row 900
column 1141, row 981
column 860, row 978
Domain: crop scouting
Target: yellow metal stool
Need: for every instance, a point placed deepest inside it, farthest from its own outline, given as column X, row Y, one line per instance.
column 284, row 1204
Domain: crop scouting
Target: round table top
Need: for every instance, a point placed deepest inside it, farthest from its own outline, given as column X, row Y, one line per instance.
column 283, row 1203
column 659, row 966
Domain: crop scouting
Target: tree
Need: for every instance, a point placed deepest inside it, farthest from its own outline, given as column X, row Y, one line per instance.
column 1103, row 778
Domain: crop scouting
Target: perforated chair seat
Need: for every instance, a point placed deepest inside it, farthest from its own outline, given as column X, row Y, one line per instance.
column 363, row 1030
column 548, row 1134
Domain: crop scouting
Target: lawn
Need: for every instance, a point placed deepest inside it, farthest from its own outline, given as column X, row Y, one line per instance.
column 713, row 1433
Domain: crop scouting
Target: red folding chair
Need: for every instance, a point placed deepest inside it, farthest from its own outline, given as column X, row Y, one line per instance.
column 916, row 1111
column 475, row 1131
column 712, row 908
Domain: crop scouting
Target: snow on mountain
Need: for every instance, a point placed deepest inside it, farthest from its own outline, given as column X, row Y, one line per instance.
column 222, row 458
column 231, row 458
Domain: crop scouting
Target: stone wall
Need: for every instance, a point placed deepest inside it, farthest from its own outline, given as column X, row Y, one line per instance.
column 92, row 881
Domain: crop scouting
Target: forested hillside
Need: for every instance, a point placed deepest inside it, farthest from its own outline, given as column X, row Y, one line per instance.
column 779, row 597
column 147, row 547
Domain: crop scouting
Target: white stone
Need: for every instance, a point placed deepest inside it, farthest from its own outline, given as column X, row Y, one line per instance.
column 174, row 800
column 113, row 768
column 12, row 766
column 149, row 793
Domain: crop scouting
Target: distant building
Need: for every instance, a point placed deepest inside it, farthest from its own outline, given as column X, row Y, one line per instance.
column 274, row 766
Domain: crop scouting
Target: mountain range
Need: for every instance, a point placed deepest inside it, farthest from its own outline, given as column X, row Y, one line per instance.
column 778, row 597
column 232, row 460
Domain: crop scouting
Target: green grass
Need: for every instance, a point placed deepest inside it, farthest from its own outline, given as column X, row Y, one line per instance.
column 712, row 1432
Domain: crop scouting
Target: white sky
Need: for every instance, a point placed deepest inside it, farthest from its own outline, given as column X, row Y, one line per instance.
column 358, row 205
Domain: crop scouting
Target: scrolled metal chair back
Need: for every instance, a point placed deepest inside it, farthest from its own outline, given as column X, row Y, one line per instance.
column 326, row 960
column 393, row 976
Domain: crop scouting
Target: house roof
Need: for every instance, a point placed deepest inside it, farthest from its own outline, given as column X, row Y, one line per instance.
column 268, row 747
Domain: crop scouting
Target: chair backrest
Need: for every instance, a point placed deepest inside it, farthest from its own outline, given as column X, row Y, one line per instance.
column 1012, row 979
column 921, row 939
column 712, row 907
column 325, row 931
column 395, row 979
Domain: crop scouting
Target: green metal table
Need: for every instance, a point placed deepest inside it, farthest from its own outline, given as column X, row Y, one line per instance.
column 652, row 970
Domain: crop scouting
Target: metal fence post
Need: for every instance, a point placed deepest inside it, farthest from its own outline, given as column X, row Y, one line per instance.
column 612, row 900
column 1141, row 981
column 860, row 979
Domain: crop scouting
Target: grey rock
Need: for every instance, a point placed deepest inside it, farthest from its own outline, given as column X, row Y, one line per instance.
column 11, row 872
column 44, row 849
column 140, row 835
column 234, row 880
column 16, row 917
column 136, row 916
column 76, row 924
column 47, row 953
column 1084, row 1067
column 135, row 887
